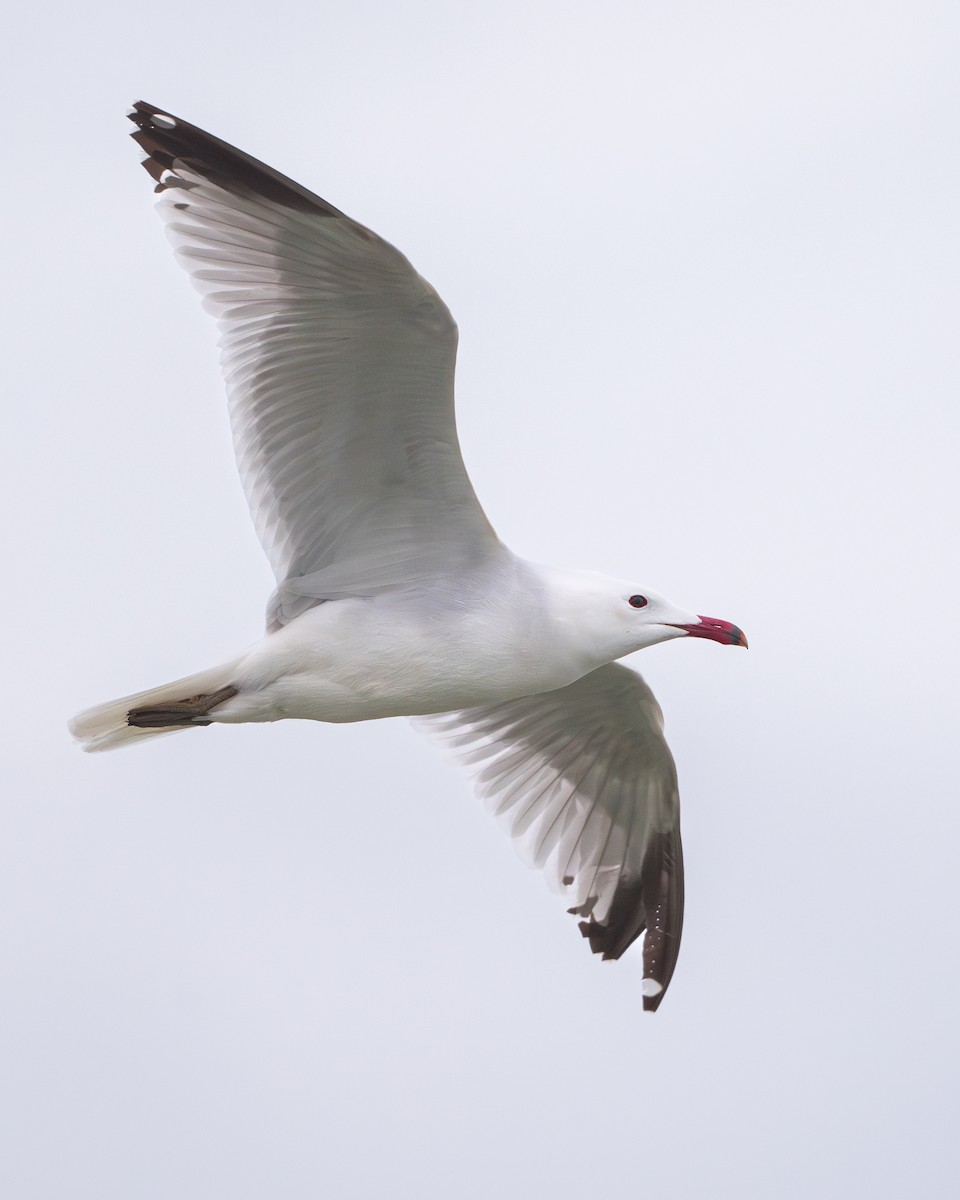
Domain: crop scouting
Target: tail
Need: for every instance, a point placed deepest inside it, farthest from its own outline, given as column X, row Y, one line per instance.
column 180, row 705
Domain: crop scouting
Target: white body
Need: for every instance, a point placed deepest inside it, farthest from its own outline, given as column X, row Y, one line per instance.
column 495, row 637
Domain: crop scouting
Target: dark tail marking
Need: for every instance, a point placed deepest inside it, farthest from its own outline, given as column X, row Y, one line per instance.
column 178, row 712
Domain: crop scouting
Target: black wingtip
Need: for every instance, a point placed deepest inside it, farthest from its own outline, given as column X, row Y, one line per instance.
column 169, row 141
column 652, row 904
column 142, row 111
column 623, row 925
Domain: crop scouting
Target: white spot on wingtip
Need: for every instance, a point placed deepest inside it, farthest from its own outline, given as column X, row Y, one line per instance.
column 650, row 987
column 167, row 177
column 164, row 121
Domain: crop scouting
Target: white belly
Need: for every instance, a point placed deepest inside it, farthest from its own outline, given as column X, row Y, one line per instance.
column 357, row 660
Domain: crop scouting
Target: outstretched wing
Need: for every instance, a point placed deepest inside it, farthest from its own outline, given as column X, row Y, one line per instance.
column 339, row 361
column 583, row 777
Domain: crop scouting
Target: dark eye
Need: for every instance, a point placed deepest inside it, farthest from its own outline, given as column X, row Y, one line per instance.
column 638, row 601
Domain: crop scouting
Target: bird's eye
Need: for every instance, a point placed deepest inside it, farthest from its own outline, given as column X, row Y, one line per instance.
column 638, row 601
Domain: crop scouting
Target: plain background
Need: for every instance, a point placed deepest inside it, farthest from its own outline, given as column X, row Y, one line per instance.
column 704, row 258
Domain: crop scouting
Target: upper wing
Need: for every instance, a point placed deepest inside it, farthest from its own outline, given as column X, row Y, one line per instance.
column 584, row 777
column 339, row 361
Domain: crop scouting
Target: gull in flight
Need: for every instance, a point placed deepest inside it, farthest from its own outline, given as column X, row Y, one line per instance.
column 394, row 595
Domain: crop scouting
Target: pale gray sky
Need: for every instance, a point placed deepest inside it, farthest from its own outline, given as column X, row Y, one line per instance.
column 704, row 258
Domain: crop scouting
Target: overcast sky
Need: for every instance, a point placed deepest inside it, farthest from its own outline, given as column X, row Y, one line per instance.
column 704, row 259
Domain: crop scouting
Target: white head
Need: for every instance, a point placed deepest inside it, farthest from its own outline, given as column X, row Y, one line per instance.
column 609, row 618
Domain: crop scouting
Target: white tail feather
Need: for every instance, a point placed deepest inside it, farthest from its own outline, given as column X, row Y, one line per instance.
column 105, row 727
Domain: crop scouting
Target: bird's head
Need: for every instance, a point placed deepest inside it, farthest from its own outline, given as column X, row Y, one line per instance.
column 614, row 617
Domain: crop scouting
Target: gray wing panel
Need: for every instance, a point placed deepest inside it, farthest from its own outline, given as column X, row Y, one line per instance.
column 339, row 360
column 583, row 778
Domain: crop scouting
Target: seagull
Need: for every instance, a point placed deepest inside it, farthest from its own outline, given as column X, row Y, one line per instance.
column 394, row 595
